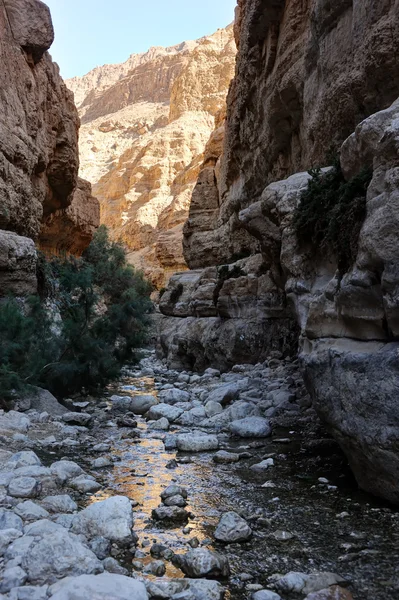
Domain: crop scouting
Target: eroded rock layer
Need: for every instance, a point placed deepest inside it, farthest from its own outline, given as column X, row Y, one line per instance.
column 309, row 74
column 39, row 128
column 145, row 125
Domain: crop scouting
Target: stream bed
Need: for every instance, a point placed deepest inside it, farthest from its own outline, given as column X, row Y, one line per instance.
column 306, row 512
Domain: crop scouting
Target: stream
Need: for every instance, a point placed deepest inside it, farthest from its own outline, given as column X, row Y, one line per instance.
column 306, row 512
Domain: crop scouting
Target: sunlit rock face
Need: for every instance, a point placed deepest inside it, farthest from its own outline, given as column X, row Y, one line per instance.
column 145, row 126
column 310, row 76
column 39, row 131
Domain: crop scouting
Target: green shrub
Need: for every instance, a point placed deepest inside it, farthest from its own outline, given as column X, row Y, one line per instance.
column 104, row 306
column 331, row 213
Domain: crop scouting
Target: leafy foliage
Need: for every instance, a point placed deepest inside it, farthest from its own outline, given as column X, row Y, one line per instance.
column 103, row 307
column 331, row 213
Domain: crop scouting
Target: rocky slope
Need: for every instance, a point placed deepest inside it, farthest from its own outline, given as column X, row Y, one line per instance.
column 145, row 126
column 38, row 146
column 310, row 76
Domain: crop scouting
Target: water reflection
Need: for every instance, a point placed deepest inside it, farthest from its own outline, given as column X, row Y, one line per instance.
column 141, row 474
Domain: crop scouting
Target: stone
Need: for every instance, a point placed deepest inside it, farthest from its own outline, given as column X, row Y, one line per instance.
column 57, row 555
column 170, row 513
column 25, row 458
column 224, row 394
column 201, row 562
column 111, row 565
column 85, row 485
column 24, row 487
column 30, row 511
column 31, row 592
column 295, row 582
column 139, row 405
column 335, row 592
column 174, row 396
column 9, row 520
column 101, row 463
column 161, row 424
column 14, row 421
column 263, row 465
column 251, row 427
column 196, row 442
column 232, row 528
column 43, row 401
column 213, row 408
column 265, row 595
column 76, row 418
column 7, row 536
column 164, row 411
column 105, row 585
column 64, row 470
column 155, row 567
column 175, row 501
column 43, row 527
column 200, row 589
column 59, row 504
column 111, row 518
column 100, row 545
column 225, row 458
column 12, row 578
column 174, row 490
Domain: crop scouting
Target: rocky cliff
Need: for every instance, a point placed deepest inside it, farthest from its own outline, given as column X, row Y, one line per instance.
column 311, row 78
column 38, row 146
column 145, row 126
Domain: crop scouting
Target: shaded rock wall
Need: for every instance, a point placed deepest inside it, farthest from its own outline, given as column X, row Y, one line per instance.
column 308, row 75
column 307, row 72
column 38, row 122
column 146, row 124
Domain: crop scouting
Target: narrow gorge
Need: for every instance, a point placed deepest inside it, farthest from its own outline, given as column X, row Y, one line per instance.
column 199, row 309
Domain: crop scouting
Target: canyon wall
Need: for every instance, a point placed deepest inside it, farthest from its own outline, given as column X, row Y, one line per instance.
column 38, row 149
column 312, row 78
column 145, row 126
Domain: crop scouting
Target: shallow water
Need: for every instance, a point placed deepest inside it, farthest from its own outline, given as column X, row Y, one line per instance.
column 334, row 527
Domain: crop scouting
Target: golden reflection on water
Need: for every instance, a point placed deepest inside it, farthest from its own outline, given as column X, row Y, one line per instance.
column 141, row 474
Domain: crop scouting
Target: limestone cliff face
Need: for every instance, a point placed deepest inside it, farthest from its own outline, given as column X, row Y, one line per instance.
column 308, row 71
column 311, row 76
column 145, row 126
column 39, row 133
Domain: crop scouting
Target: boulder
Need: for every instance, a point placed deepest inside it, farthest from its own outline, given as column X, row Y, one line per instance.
column 30, row 511
column 213, row 408
column 256, row 427
column 201, row 562
column 232, row 528
column 170, row 513
column 9, row 520
column 64, row 470
column 111, row 518
column 11, row 578
column 76, row 418
column 139, row 405
column 225, row 458
column 105, row 585
column 24, row 487
column 26, row 458
column 196, row 442
column 85, row 484
column 56, row 555
column 174, row 396
column 164, row 410
column 224, row 394
column 59, row 504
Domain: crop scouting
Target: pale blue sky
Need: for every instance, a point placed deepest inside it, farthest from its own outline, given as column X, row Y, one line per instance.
column 94, row 32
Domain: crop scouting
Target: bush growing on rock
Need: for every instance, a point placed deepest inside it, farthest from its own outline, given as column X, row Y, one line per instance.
column 331, row 213
column 101, row 305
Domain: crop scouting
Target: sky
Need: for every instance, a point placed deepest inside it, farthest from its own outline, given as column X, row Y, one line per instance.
column 90, row 33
